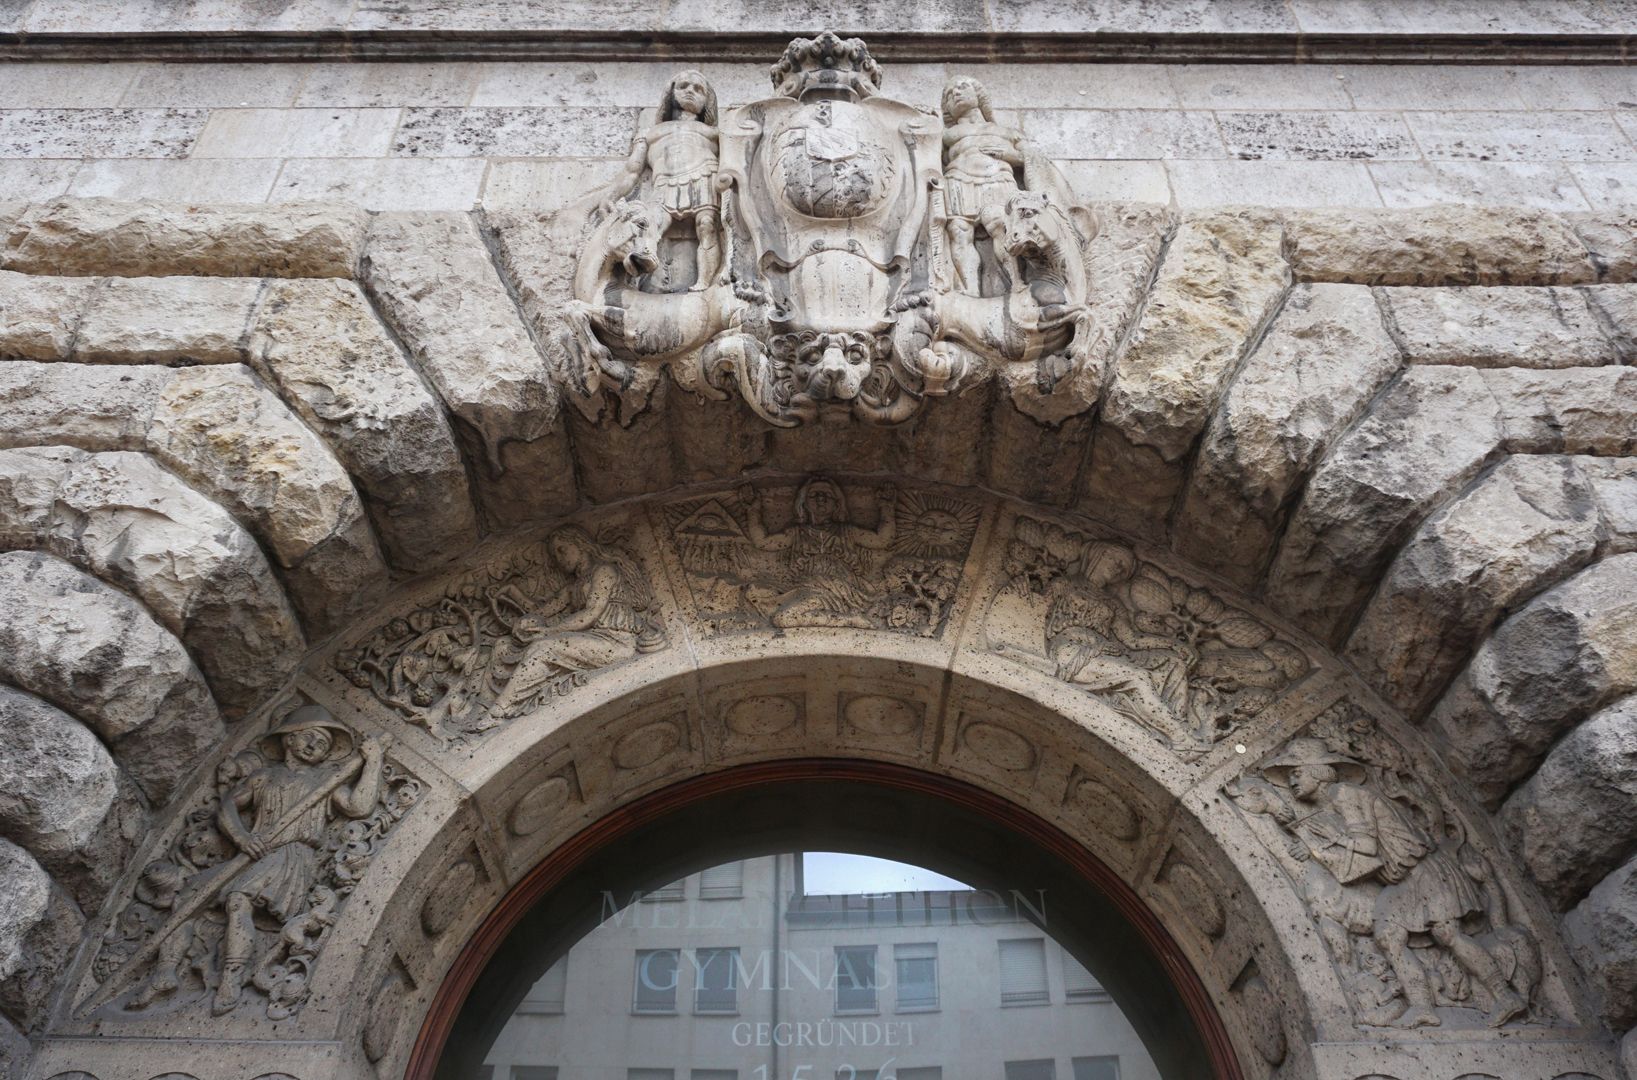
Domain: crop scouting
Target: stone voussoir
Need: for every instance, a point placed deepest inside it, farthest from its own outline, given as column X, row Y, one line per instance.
column 1427, row 436
column 39, row 930
column 123, row 518
column 168, row 320
column 1572, row 822
column 435, row 282
column 1497, row 326
column 64, row 798
column 1313, row 373
column 1563, row 655
column 99, row 655
column 95, row 236
column 1437, row 245
column 224, row 432
column 1221, row 278
column 1523, row 527
column 320, row 343
column 1602, row 934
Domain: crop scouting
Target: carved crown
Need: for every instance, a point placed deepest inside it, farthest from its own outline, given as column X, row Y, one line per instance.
column 826, row 62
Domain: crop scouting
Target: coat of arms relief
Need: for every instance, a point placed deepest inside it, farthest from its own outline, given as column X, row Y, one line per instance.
column 826, row 247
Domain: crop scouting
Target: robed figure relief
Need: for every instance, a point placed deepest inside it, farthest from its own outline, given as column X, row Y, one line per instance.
column 823, row 249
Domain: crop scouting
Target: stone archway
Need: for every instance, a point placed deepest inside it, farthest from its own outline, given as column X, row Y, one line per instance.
column 1137, row 704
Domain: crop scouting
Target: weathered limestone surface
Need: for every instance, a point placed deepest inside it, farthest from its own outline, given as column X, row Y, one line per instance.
column 320, row 343
column 1563, row 655
column 39, row 930
column 1527, row 525
column 1222, row 276
column 96, row 653
column 63, row 798
column 1429, row 433
column 1440, row 245
column 1312, row 375
column 1617, row 305
column 225, row 433
column 128, row 521
column 537, row 253
column 1572, row 821
column 1602, row 931
column 42, row 315
column 436, row 283
column 1492, row 326
column 197, row 320
column 1611, row 240
column 135, row 239
column 1428, row 436
column 15, row 1048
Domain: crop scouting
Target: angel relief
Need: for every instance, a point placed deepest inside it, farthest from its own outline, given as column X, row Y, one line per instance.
column 1168, row 655
column 521, row 630
column 824, row 248
column 810, row 558
column 239, row 909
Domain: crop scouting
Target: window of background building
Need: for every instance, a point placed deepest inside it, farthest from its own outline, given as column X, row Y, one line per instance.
column 1023, row 972
column 916, row 973
column 716, row 981
column 676, row 890
column 650, row 1074
column 725, row 882
column 534, row 1072
column 656, row 979
column 714, row 1074
column 1078, row 983
column 545, row 997
column 1043, row 1069
column 847, row 1072
column 924, row 1072
column 1097, row 1068
column 855, row 978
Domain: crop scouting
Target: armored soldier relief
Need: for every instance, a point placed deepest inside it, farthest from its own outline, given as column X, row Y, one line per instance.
column 1170, row 656
column 520, row 629
column 238, row 911
column 1411, row 910
column 824, row 248
column 812, row 557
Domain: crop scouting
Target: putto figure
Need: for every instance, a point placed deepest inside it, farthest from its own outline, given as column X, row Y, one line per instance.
column 680, row 155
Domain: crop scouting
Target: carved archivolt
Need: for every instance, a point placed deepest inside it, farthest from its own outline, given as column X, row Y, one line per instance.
column 1305, row 850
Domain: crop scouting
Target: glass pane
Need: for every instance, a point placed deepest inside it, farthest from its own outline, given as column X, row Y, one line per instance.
column 862, row 978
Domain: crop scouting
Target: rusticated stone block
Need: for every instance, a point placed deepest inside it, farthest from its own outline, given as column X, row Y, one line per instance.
column 1602, row 934
column 1219, row 282
column 39, row 930
column 98, row 654
column 42, row 315
column 1324, row 357
column 1497, row 327
column 134, row 239
column 1573, row 821
column 128, row 521
column 1611, row 239
column 436, row 283
column 63, row 798
column 1530, row 523
column 320, row 343
column 1438, row 245
column 199, row 320
column 1544, row 669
